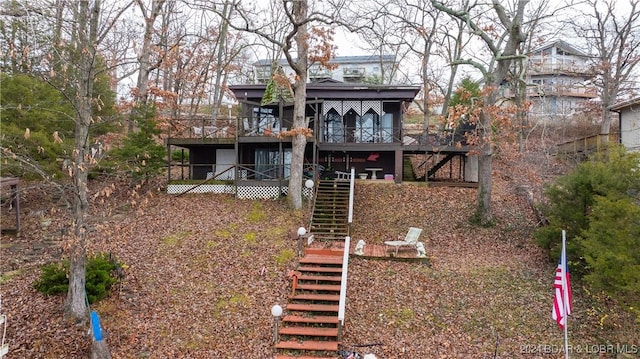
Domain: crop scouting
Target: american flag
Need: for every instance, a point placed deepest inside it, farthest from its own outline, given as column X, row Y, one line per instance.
column 562, row 288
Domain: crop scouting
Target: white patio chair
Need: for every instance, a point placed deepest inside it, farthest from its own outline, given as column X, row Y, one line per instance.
column 410, row 240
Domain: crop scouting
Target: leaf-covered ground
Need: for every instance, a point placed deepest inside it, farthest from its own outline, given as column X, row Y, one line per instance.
column 202, row 272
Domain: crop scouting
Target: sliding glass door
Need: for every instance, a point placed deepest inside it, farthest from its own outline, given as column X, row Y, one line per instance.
column 271, row 164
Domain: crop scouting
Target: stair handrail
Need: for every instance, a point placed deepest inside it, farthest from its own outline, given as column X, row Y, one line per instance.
column 4, row 347
column 352, row 182
column 343, row 286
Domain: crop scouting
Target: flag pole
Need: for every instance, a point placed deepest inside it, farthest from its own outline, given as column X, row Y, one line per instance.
column 565, row 294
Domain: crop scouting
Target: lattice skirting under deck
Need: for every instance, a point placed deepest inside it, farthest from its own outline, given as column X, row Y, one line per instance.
column 244, row 192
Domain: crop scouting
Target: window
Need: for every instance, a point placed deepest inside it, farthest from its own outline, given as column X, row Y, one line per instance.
column 387, row 128
column 334, row 128
column 271, row 165
column 367, row 127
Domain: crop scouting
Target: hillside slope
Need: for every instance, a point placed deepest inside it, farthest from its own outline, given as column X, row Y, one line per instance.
column 202, row 272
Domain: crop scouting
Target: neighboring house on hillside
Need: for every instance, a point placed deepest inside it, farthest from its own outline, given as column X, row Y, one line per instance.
column 349, row 69
column 629, row 123
column 558, row 80
column 350, row 126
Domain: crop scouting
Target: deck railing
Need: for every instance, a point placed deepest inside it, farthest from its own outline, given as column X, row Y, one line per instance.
column 239, row 171
column 351, row 191
column 229, row 129
column 202, row 128
column 589, row 144
column 343, row 286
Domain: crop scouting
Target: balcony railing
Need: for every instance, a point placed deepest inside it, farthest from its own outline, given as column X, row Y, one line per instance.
column 353, row 72
column 228, row 130
column 241, row 172
column 319, row 73
column 557, row 90
column 263, row 73
column 557, row 68
column 224, row 129
column 201, row 128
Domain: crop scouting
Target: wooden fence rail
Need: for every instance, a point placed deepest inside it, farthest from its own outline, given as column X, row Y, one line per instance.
column 586, row 145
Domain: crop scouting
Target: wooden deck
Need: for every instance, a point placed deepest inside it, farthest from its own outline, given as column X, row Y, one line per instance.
column 381, row 251
column 373, row 251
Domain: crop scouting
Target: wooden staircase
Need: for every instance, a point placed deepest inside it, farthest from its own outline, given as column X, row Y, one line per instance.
column 430, row 172
column 329, row 220
column 408, row 174
column 310, row 328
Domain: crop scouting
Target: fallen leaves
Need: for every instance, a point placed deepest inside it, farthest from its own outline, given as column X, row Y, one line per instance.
column 202, row 272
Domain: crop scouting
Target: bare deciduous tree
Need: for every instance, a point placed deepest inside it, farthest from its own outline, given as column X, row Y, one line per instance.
column 502, row 40
column 150, row 14
column 613, row 39
column 296, row 39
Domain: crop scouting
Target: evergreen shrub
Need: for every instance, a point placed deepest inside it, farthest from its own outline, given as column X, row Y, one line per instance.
column 54, row 277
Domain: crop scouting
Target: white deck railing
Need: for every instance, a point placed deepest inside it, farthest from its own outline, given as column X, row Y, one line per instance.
column 343, row 286
column 345, row 259
column 351, row 187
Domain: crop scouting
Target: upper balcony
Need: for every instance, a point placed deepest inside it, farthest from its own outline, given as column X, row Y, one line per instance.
column 186, row 132
column 353, row 72
column 263, row 74
column 551, row 68
column 317, row 72
column 557, row 91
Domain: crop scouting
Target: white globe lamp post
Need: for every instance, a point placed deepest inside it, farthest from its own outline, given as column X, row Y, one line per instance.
column 276, row 311
column 309, row 184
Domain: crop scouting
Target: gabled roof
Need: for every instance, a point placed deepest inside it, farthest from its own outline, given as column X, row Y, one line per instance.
column 365, row 59
column 624, row 104
column 561, row 44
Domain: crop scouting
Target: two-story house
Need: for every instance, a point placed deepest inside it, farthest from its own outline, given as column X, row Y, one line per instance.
column 348, row 69
column 351, row 126
column 559, row 80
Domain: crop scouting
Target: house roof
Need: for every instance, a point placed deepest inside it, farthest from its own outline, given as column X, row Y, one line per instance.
column 340, row 60
column 623, row 104
column 562, row 45
column 336, row 91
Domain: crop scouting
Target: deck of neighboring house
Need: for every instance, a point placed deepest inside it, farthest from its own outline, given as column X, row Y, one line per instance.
column 585, row 146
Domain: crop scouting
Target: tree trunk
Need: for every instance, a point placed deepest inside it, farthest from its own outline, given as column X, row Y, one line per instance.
column 299, row 140
column 493, row 80
column 426, row 89
column 484, row 214
column 454, row 56
column 142, row 83
column 222, row 42
column 100, row 350
column 86, row 45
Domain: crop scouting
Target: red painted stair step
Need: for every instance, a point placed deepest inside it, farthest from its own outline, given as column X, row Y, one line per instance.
column 309, row 331
column 321, row 259
column 320, row 269
column 307, row 345
column 323, row 252
column 327, row 287
column 328, row 278
column 316, row 319
column 312, row 307
column 309, row 296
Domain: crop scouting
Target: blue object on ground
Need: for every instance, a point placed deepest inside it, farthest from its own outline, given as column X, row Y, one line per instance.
column 95, row 326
